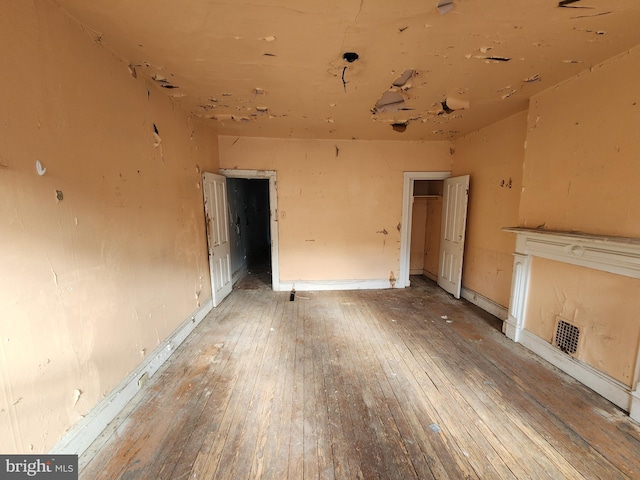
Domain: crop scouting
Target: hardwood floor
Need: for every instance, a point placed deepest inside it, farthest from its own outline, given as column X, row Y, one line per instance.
column 393, row 384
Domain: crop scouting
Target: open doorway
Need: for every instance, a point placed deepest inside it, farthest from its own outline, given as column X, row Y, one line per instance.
column 453, row 214
column 253, row 229
column 426, row 225
column 249, row 230
column 417, row 185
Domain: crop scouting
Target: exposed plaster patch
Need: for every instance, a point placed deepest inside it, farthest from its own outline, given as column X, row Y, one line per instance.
column 156, row 136
column 269, row 38
column 399, row 126
column 390, row 101
column 533, row 78
column 132, row 71
column 450, row 104
column 222, row 117
column 587, row 16
column 404, row 79
column 568, row 4
column 588, row 30
column 40, row 169
column 59, row 195
column 77, row 393
column 444, row 6
column 493, row 58
column 163, row 81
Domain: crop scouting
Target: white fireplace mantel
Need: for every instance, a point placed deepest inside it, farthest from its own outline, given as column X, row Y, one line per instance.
column 619, row 255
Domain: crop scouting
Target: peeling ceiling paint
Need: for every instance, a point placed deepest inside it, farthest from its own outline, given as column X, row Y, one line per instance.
column 308, row 69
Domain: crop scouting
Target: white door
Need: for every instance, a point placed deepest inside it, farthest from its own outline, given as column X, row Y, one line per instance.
column 215, row 208
column 454, row 221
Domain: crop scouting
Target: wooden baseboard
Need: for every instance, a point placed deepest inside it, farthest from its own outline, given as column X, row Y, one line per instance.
column 610, row 388
column 310, row 285
column 430, row 275
column 86, row 431
column 485, row 303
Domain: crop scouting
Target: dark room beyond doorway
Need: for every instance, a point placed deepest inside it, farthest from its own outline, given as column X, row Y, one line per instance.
column 250, row 232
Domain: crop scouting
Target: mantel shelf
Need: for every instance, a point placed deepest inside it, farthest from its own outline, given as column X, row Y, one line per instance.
column 574, row 235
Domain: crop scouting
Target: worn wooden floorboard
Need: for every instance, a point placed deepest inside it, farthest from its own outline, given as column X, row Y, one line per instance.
column 393, row 384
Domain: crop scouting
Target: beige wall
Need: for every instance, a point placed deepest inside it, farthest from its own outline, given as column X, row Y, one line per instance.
column 92, row 283
column 336, row 200
column 591, row 300
column 581, row 173
column 432, row 236
column 418, row 234
column 581, row 161
column 493, row 157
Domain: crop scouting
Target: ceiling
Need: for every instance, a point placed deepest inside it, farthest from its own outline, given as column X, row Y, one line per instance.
column 276, row 68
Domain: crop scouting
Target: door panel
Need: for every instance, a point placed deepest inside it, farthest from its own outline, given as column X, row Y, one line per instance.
column 215, row 207
column 454, row 221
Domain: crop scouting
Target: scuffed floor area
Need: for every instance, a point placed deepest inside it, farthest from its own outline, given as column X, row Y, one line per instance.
column 393, row 384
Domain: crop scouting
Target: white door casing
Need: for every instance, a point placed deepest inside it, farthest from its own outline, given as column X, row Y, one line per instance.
column 214, row 188
column 454, row 221
column 273, row 213
column 407, row 210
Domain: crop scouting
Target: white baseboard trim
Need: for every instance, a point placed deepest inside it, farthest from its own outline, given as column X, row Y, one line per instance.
column 511, row 329
column 79, row 437
column 485, row 303
column 317, row 285
column 610, row 388
column 634, row 408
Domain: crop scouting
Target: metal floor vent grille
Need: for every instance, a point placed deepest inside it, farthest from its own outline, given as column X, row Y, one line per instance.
column 567, row 337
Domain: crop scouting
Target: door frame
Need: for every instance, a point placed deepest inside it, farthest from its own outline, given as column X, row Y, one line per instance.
column 405, row 228
column 273, row 213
